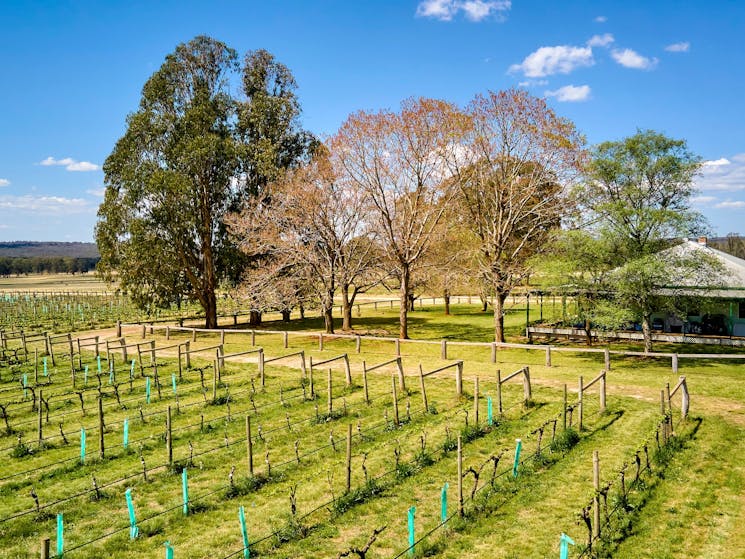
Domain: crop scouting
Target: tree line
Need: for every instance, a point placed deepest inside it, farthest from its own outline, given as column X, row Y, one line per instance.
column 210, row 188
column 17, row 266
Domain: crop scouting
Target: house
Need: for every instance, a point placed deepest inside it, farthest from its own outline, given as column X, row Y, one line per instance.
column 719, row 310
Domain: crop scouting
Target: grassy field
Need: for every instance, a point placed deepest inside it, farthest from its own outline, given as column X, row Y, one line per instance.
column 688, row 506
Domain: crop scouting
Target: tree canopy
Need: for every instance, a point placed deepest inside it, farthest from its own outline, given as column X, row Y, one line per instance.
column 191, row 154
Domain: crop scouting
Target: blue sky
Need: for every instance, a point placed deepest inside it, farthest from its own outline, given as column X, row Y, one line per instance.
column 72, row 71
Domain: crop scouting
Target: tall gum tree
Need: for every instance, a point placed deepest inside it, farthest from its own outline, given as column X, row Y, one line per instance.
column 187, row 159
column 512, row 170
column 397, row 161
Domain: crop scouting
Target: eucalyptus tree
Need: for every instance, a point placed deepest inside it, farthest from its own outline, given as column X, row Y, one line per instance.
column 192, row 153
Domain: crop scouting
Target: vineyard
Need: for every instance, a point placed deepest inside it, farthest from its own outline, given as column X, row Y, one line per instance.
column 158, row 441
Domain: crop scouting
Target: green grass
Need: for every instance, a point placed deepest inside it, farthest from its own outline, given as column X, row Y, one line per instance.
column 693, row 510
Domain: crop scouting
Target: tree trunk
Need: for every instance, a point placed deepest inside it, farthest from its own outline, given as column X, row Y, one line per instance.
column 254, row 318
column 588, row 332
column 346, row 308
column 210, row 309
column 647, row 332
column 446, row 295
column 403, row 316
column 285, row 315
column 302, row 312
column 499, row 299
column 412, row 300
column 328, row 318
column 484, row 302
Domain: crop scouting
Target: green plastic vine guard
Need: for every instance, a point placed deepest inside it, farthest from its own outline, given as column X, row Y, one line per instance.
column 134, row 531
column 85, row 376
column 132, row 370
column 564, row 549
column 185, row 490
column 244, row 532
column 111, row 372
column 125, row 441
column 489, row 412
column 98, row 362
column 169, row 550
column 147, row 390
column 412, row 538
column 82, row 445
column 173, row 382
column 444, row 503
column 46, row 371
column 518, row 448
column 60, row 535
column 25, row 384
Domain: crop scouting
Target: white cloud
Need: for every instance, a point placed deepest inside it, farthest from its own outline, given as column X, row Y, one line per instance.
column 730, row 205
column 45, row 205
column 97, row 192
column 560, row 59
column 4, row 182
column 703, row 199
column 532, row 83
column 600, row 40
column 723, row 175
column 683, row 46
column 629, row 58
column 70, row 164
column 717, row 162
column 601, row 19
column 570, row 93
column 474, row 10
column 82, row 166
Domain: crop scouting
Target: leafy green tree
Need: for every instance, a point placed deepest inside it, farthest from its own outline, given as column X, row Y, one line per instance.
column 636, row 201
column 191, row 154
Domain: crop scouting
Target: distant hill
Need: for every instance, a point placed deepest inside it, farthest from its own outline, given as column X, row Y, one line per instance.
column 28, row 249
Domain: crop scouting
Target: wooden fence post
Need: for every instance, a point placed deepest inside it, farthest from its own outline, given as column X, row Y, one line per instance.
column 261, row 365
column 579, row 406
column 685, row 399
column 101, row 428
column 494, row 352
column 358, row 343
column 330, row 393
column 564, row 411
column 395, row 400
column 398, row 347
column 444, row 349
column 602, row 392
column 423, row 389
column 459, row 378
column 499, row 392
column 401, row 380
column 476, row 401
column 349, row 458
column 347, row 370
column 527, row 392
column 249, row 447
column 320, row 341
column 123, row 343
column 169, row 436
column 364, row 382
column 118, row 328
column 606, row 354
column 675, row 363
column 548, row 356
column 286, row 339
column 45, row 548
column 596, row 498
column 460, row 477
